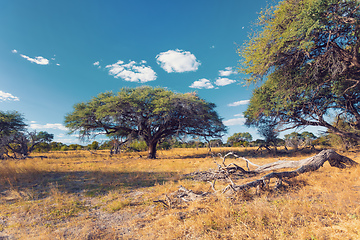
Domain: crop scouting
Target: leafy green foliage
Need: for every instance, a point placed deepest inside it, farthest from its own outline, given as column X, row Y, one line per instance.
column 150, row 113
column 137, row 146
column 11, row 122
column 237, row 139
column 56, row 146
column 42, row 148
column 309, row 53
column 94, row 145
column 75, row 147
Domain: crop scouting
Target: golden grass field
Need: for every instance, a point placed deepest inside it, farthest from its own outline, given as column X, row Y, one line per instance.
column 81, row 195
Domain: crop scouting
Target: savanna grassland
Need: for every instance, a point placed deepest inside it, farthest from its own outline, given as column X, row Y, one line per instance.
column 84, row 195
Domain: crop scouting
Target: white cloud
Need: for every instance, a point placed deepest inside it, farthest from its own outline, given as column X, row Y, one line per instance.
column 7, row 97
column 38, row 60
column 239, row 115
column 97, row 63
column 177, row 61
column 132, row 71
column 242, row 102
column 59, row 126
column 227, row 72
column 224, row 81
column 202, row 83
column 234, row 121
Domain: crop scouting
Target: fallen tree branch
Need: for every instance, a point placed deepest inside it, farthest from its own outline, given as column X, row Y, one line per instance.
column 312, row 163
column 302, row 166
column 305, row 165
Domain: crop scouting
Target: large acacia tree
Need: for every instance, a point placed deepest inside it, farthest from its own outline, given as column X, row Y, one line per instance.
column 308, row 53
column 149, row 113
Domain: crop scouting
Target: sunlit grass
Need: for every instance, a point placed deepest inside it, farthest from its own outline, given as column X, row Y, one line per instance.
column 84, row 195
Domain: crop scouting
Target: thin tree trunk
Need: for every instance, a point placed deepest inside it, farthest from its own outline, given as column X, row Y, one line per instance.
column 152, row 150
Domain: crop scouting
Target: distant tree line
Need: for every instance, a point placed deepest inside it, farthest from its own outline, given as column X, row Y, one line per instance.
column 17, row 142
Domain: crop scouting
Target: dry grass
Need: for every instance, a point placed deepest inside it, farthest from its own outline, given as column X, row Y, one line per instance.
column 79, row 195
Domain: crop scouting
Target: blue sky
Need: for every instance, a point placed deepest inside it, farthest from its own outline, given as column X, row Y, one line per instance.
column 54, row 54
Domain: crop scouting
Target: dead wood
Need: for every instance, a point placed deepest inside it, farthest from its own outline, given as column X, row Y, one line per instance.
column 233, row 172
column 303, row 166
column 180, row 196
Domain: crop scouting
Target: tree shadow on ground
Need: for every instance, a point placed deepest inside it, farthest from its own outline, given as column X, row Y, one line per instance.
column 89, row 183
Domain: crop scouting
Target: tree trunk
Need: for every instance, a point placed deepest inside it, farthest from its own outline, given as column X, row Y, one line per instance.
column 152, row 150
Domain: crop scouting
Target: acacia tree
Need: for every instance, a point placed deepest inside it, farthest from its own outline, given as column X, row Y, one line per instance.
column 23, row 143
column 10, row 123
column 150, row 113
column 309, row 53
column 14, row 138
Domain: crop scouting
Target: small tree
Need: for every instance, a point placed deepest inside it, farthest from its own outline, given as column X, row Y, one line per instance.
column 64, row 148
column 94, row 145
column 149, row 113
column 242, row 138
column 216, row 143
column 23, row 144
column 268, row 130
column 297, row 140
column 15, row 139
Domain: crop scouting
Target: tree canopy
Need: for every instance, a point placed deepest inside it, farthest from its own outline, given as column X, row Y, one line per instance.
column 308, row 53
column 150, row 113
column 11, row 122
